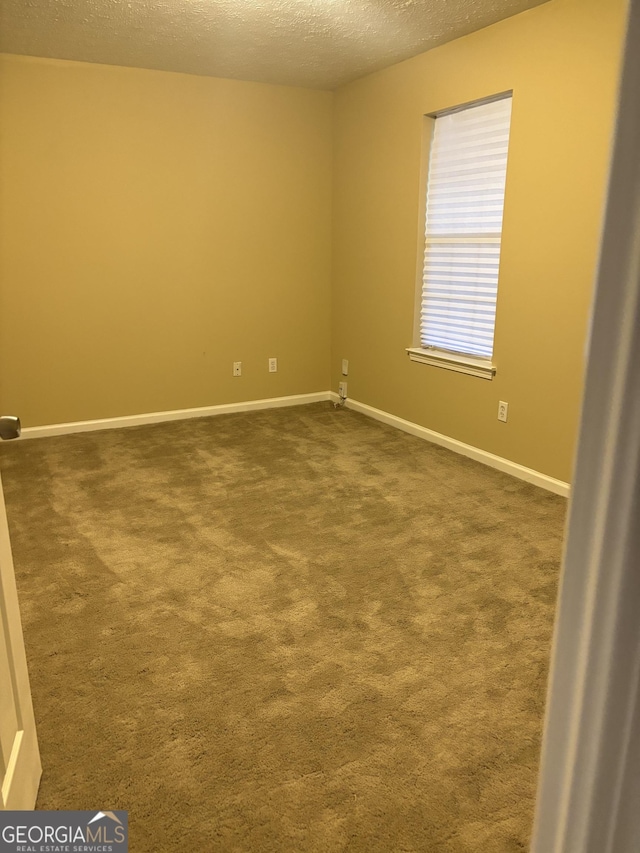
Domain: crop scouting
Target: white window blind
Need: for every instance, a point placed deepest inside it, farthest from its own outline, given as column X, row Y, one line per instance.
column 465, row 199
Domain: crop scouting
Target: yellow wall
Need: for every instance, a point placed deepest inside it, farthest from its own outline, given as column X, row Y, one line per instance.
column 154, row 228
column 561, row 60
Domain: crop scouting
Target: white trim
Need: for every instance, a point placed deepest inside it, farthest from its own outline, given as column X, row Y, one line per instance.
column 461, row 107
column 23, row 768
column 480, row 367
column 174, row 415
column 558, row 487
column 513, row 468
column 12, row 764
column 589, row 786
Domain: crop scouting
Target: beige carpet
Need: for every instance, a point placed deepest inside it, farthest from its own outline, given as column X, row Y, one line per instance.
column 292, row 630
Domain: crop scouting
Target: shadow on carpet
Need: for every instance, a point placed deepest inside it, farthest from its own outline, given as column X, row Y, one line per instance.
column 290, row 630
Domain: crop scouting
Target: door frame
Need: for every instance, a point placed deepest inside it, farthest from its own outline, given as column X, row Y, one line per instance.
column 589, row 786
column 19, row 788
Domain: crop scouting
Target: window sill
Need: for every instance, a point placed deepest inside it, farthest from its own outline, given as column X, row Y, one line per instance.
column 480, row 367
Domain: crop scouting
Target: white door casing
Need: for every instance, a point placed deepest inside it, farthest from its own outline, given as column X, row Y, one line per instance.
column 589, row 787
column 20, row 766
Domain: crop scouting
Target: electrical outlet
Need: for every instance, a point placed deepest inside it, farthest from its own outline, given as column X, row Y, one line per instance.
column 273, row 365
column 342, row 390
column 503, row 411
column 345, row 366
column 237, row 368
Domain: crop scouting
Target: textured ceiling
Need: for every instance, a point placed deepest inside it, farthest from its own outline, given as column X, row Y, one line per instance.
column 315, row 43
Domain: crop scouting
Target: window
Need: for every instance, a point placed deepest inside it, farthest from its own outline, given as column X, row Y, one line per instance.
column 464, row 204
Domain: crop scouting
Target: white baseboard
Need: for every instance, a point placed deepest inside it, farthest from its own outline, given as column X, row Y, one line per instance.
column 175, row 415
column 558, row 487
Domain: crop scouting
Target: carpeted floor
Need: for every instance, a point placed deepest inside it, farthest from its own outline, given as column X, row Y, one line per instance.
column 291, row 630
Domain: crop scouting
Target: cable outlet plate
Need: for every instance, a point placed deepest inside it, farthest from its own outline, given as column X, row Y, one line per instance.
column 237, row 368
column 345, row 366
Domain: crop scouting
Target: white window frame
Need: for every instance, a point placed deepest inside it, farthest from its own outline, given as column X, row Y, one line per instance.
column 471, row 365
